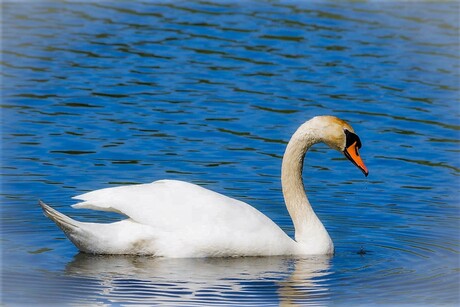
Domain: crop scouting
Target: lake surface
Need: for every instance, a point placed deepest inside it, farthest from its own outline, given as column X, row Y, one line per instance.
column 101, row 94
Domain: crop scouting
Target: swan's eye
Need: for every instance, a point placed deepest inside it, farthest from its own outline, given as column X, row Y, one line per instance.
column 352, row 138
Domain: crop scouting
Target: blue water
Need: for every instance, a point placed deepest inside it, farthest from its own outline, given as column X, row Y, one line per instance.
column 99, row 94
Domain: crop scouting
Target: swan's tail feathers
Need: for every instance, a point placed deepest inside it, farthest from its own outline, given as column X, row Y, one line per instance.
column 122, row 237
column 64, row 222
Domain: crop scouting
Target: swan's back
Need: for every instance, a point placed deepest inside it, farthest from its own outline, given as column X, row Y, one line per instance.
column 186, row 220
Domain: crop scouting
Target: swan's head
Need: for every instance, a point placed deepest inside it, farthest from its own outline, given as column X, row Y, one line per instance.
column 339, row 135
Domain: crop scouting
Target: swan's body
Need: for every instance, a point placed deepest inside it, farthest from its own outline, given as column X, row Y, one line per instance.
column 178, row 219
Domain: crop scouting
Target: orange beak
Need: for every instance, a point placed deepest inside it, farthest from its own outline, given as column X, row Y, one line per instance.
column 351, row 152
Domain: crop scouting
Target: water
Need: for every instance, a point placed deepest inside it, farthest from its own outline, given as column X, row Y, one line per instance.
column 108, row 93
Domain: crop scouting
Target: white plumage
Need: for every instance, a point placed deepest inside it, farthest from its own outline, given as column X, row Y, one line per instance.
column 172, row 218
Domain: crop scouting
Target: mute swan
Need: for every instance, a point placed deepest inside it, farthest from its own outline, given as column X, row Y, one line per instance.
column 172, row 218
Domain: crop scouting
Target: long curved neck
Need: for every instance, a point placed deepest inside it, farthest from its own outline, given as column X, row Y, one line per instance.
column 308, row 228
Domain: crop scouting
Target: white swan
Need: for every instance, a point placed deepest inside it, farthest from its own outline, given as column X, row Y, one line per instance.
column 172, row 218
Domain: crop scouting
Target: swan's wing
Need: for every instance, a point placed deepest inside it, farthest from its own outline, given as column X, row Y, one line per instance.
column 167, row 202
column 181, row 211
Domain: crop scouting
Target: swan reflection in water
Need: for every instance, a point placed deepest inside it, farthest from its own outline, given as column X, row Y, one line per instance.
column 141, row 279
